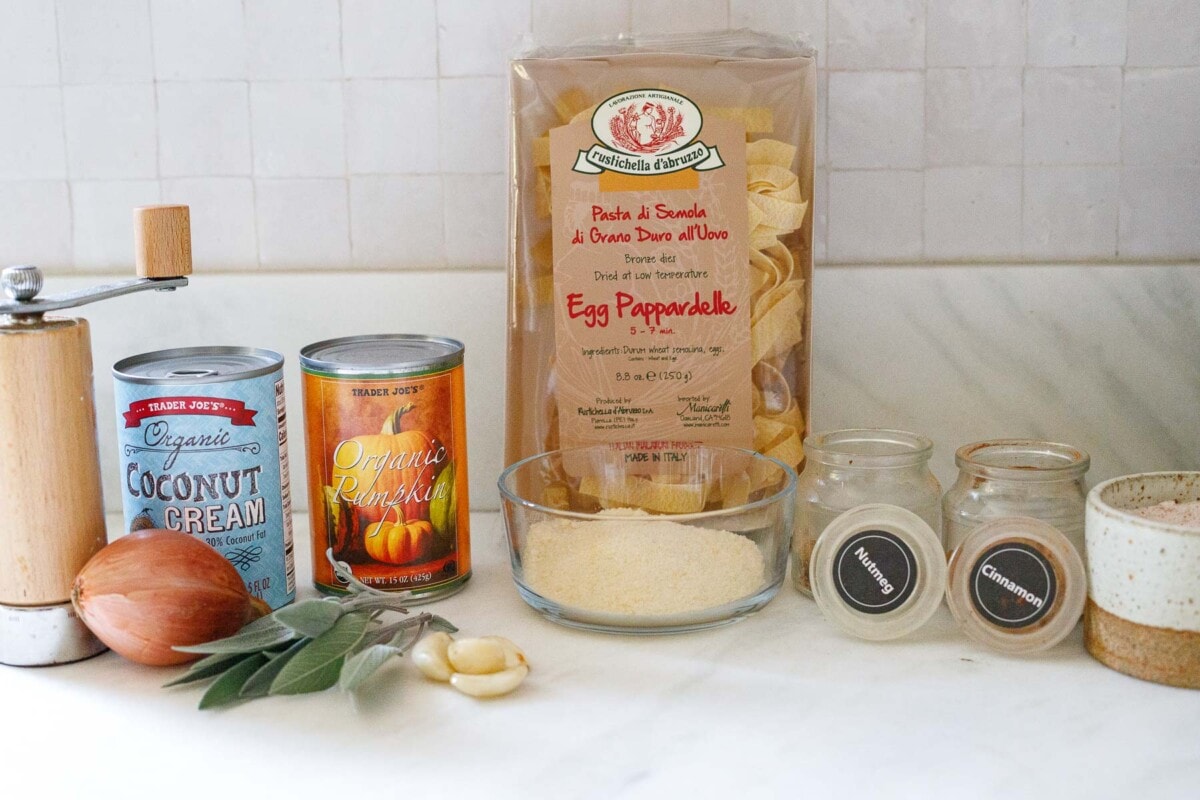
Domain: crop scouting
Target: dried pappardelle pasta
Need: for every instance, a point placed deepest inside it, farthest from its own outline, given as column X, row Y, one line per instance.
column 777, row 209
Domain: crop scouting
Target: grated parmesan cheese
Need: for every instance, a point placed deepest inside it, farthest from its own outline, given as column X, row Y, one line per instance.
column 639, row 568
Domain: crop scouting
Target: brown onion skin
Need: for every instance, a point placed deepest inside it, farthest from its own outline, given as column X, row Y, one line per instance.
column 154, row 589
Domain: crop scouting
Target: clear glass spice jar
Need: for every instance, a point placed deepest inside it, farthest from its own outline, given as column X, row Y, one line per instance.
column 849, row 468
column 1016, row 478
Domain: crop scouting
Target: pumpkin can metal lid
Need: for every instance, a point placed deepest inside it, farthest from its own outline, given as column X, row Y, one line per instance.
column 384, row 355
column 184, row 366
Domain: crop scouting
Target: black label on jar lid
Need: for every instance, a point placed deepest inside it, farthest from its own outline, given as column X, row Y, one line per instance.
column 1013, row 585
column 875, row 572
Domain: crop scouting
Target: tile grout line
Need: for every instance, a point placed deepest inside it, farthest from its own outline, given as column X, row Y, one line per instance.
column 1024, row 72
column 346, row 175
column 253, row 155
column 62, row 110
column 158, row 176
column 924, row 129
column 1121, row 137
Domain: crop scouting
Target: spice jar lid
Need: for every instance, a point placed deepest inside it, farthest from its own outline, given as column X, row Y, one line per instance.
column 878, row 571
column 1016, row 584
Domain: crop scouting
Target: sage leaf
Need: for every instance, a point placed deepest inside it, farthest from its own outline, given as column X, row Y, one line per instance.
column 441, row 624
column 363, row 665
column 207, row 667
column 246, row 641
column 227, row 688
column 267, row 623
column 310, row 617
column 259, row 684
column 310, row 670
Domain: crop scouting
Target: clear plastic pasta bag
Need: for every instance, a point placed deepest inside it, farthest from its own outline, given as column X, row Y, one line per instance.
column 661, row 249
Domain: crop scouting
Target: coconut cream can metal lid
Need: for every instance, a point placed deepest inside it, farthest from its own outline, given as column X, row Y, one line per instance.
column 878, row 571
column 384, row 355
column 1016, row 585
column 189, row 366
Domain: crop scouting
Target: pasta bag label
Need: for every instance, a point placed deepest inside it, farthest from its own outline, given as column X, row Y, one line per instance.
column 652, row 308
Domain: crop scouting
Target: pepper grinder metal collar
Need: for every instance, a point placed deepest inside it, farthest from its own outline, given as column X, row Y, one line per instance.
column 53, row 512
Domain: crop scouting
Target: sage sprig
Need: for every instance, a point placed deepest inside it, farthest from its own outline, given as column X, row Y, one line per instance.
column 310, row 646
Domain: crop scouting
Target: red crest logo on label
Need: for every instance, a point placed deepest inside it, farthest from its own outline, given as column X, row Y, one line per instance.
column 647, row 132
column 647, row 121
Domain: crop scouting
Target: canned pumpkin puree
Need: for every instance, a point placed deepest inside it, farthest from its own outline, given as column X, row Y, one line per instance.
column 385, row 425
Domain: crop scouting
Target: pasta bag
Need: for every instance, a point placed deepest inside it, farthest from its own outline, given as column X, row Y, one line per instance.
column 660, row 264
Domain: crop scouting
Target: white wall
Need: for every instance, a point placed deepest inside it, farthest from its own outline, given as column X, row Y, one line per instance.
column 317, row 134
column 330, row 151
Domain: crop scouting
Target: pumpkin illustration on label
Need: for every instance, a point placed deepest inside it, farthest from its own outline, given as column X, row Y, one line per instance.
column 392, row 469
column 400, row 542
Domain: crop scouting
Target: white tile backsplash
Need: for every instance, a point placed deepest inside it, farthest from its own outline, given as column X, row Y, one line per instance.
column 821, row 214
column 1160, row 112
column 112, row 131
column 105, row 42
column 876, row 119
column 783, row 16
column 1070, row 213
column 224, row 236
column 876, row 34
column 972, row 213
column 386, row 39
column 391, row 126
column 475, row 39
column 302, row 223
column 29, row 44
column 476, row 235
column 1160, row 212
column 668, row 16
column 1083, row 33
column 204, row 128
column 297, row 129
column 400, row 214
column 973, row 116
column 291, row 39
column 198, row 39
column 31, row 134
column 875, row 215
column 1163, row 33
column 472, row 124
column 1073, row 116
column 558, row 22
column 102, row 228
column 975, row 33
column 35, row 223
column 227, row 97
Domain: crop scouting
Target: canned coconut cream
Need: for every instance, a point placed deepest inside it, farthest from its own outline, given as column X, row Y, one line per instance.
column 385, row 425
column 203, row 445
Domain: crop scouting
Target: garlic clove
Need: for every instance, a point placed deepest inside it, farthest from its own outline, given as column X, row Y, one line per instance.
column 491, row 685
column 477, row 656
column 429, row 654
column 513, row 655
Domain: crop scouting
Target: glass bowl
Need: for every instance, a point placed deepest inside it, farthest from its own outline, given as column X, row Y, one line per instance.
column 626, row 540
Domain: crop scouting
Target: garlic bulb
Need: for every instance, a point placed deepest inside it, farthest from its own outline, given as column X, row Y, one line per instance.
column 154, row 589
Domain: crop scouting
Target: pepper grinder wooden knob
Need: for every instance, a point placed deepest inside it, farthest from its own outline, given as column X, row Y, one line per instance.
column 162, row 241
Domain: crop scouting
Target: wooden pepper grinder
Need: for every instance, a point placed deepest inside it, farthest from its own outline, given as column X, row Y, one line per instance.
column 51, row 508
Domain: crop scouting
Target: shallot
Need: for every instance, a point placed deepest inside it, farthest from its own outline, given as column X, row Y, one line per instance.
column 153, row 590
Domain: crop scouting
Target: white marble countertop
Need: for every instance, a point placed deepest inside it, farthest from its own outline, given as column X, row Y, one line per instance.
column 779, row 705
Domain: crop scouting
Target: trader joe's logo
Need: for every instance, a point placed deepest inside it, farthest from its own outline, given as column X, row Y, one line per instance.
column 647, row 132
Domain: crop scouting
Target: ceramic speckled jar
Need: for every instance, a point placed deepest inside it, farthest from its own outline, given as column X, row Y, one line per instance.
column 1143, row 609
